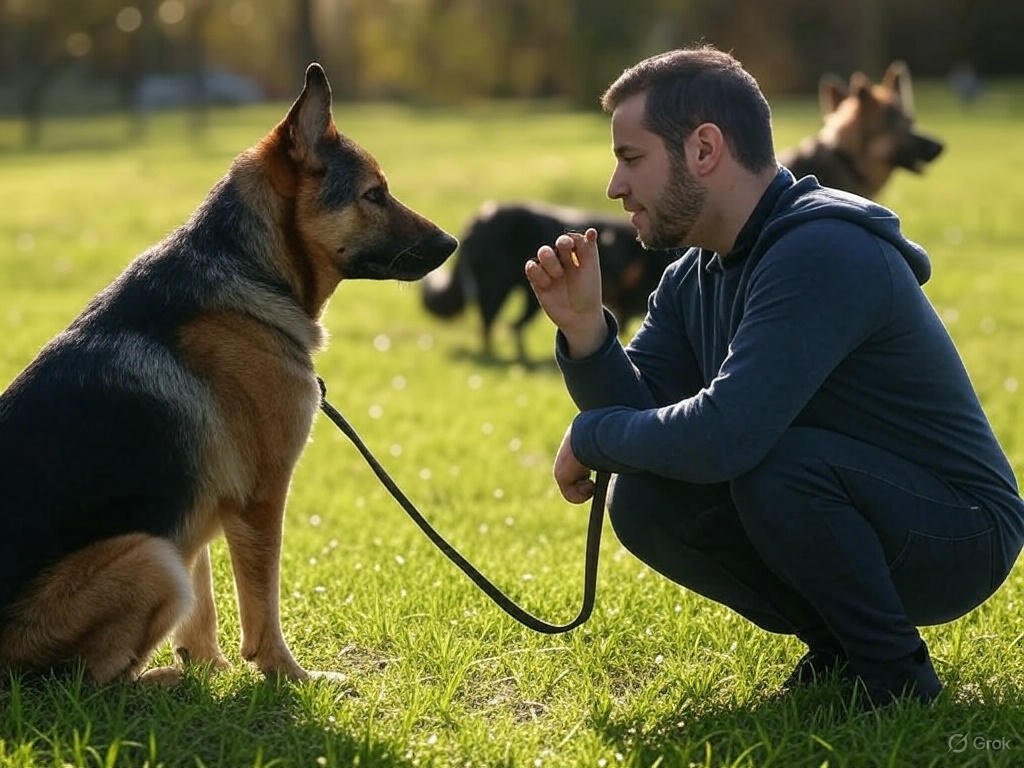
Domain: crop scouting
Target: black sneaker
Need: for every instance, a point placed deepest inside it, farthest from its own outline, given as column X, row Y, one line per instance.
column 815, row 666
column 883, row 682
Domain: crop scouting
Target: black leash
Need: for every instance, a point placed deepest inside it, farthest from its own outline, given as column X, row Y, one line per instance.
column 499, row 597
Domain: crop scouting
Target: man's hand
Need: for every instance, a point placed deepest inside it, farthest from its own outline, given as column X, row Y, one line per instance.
column 567, row 281
column 572, row 477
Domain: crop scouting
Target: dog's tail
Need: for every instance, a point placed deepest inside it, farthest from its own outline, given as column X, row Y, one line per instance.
column 444, row 291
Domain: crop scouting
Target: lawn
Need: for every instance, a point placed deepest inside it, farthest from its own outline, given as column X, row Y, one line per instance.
column 436, row 675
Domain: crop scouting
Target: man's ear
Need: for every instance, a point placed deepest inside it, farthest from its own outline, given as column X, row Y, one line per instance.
column 705, row 146
column 309, row 118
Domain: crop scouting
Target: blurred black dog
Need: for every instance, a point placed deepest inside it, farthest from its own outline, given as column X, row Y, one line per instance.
column 501, row 237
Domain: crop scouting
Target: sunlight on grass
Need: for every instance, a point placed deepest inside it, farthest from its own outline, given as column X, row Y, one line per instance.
column 435, row 675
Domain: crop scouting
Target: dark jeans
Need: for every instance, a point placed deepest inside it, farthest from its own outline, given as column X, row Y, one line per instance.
column 828, row 538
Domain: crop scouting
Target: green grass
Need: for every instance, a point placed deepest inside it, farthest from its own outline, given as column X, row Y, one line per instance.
column 436, row 675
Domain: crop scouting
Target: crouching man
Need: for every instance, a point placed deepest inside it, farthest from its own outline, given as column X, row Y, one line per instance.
column 793, row 431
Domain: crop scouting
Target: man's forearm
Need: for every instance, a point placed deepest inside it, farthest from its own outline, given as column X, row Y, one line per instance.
column 605, row 376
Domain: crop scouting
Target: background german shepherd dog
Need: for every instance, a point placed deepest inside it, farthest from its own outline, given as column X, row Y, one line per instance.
column 499, row 240
column 867, row 134
column 175, row 406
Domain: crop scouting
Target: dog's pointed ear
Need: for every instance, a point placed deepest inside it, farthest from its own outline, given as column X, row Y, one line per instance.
column 831, row 91
column 309, row 120
column 897, row 79
column 860, row 86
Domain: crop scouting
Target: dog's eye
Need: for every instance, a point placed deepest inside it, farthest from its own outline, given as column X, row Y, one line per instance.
column 376, row 195
column 893, row 117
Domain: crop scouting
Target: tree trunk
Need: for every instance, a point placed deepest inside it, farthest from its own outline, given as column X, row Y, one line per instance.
column 305, row 38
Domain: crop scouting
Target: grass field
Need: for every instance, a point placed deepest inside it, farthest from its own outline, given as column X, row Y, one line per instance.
column 436, row 675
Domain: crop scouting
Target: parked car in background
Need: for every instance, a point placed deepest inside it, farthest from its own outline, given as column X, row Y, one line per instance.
column 216, row 87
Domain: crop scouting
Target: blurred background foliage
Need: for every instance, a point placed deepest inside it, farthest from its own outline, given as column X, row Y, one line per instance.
column 69, row 56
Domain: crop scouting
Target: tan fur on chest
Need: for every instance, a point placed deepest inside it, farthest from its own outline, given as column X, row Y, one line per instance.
column 264, row 397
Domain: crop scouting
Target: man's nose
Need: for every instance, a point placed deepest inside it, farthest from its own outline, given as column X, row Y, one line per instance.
column 616, row 187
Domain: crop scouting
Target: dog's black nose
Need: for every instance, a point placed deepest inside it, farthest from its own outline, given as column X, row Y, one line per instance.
column 917, row 152
column 928, row 148
column 441, row 245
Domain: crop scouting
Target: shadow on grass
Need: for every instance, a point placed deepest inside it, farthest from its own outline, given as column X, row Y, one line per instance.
column 490, row 360
column 62, row 719
column 818, row 726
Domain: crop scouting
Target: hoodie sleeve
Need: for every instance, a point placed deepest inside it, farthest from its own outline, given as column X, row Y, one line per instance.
column 657, row 368
column 816, row 294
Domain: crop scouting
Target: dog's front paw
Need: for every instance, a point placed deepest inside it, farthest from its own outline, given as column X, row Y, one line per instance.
column 279, row 663
column 273, row 659
column 212, row 659
column 291, row 671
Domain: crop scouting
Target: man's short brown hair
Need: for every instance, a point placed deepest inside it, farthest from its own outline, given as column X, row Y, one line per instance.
column 690, row 86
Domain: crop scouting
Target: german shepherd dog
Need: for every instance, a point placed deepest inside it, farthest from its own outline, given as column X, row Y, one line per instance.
column 497, row 243
column 175, row 406
column 868, row 132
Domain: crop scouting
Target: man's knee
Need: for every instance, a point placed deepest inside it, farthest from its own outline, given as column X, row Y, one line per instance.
column 630, row 510
column 648, row 510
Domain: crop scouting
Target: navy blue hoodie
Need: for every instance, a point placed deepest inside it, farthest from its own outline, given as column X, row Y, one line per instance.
column 816, row 318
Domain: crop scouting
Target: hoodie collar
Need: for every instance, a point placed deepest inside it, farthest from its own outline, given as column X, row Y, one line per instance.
column 754, row 225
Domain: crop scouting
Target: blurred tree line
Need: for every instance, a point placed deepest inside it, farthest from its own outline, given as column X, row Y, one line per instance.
column 445, row 51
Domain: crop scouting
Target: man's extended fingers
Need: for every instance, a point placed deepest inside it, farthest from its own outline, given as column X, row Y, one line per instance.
column 550, row 261
column 585, row 245
column 566, row 247
column 535, row 273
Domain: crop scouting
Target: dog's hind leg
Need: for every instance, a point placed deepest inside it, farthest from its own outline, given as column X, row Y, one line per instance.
column 254, row 541
column 195, row 639
column 487, row 333
column 107, row 605
column 491, row 297
column 530, row 309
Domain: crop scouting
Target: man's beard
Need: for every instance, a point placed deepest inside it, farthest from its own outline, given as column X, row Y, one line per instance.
column 676, row 211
